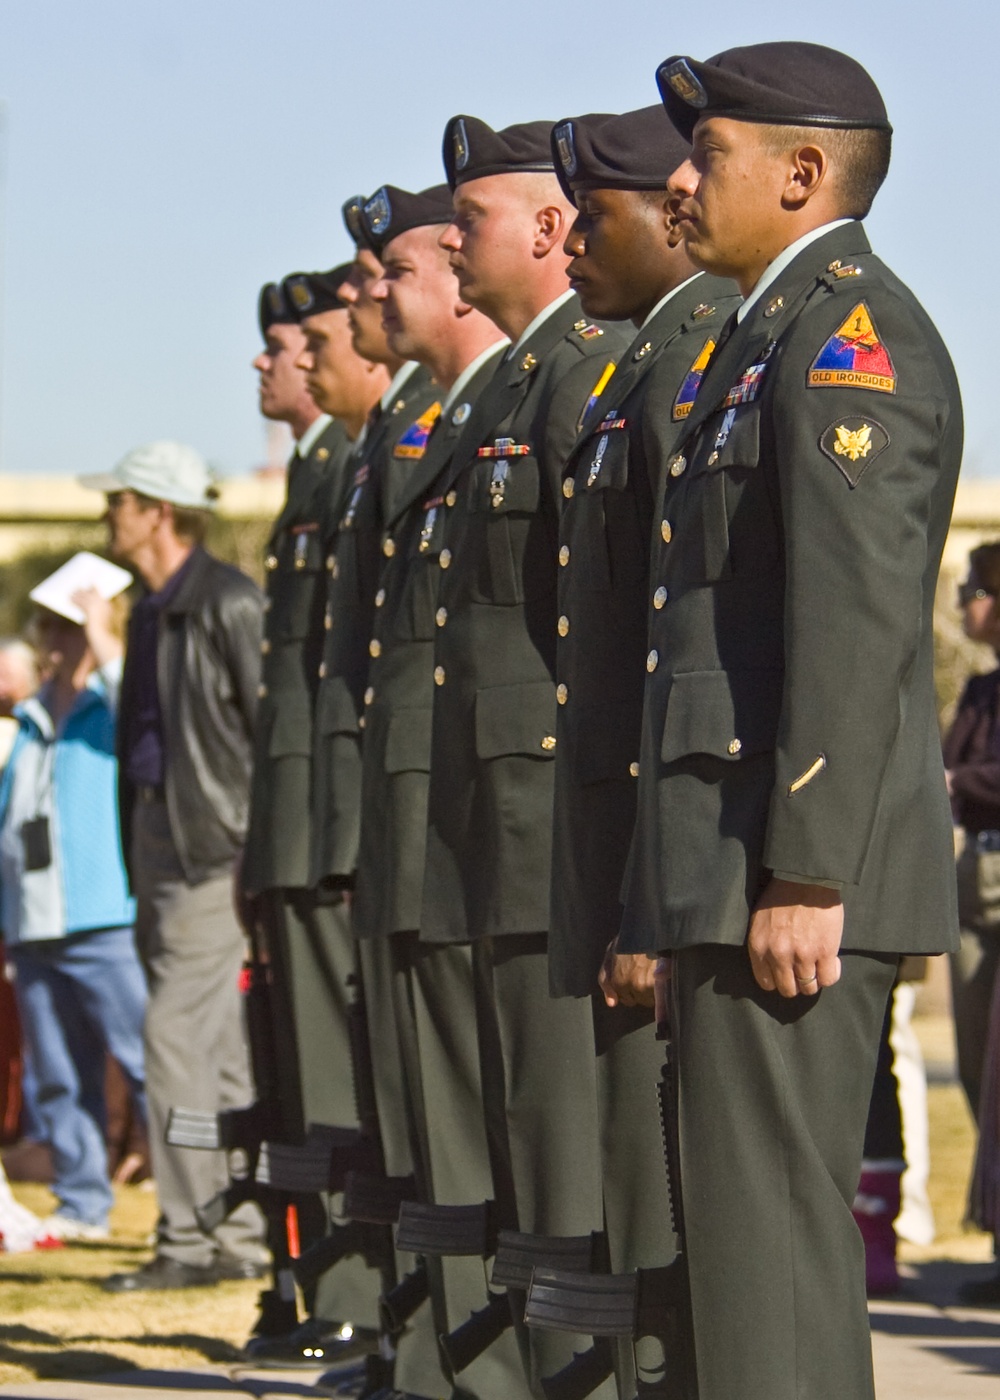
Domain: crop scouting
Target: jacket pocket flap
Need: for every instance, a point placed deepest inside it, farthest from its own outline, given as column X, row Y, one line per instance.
column 336, row 712
column 729, row 714
column 503, row 485
column 290, row 727
column 516, row 719
column 408, row 742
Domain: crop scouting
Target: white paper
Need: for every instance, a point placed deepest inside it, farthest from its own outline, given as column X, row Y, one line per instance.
column 84, row 570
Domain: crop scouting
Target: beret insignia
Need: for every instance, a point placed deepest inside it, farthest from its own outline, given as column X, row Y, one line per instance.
column 854, row 357
column 301, row 294
column 378, row 212
column 460, row 145
column 275, row 301
column 352, row 218
column 686, row 83
column 567, row 150
column 853, row 444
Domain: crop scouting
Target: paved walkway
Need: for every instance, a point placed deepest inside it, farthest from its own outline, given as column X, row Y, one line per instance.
column 924, row 1350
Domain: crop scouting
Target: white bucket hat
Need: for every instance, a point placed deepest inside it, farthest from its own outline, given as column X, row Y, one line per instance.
column 166, row 471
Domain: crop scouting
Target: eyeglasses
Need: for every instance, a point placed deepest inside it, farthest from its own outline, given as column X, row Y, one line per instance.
column 969, row 592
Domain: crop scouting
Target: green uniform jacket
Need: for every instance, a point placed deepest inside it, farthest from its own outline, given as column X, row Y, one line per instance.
column 277, row 847
column 352, row 541
column 396, row 755
column 490, row 805
column 613, row 478
column 789, row 721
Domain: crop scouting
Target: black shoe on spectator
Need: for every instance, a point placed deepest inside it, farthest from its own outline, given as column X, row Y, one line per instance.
column 317, row 1341
column 228, row 1266
column 159, row 1274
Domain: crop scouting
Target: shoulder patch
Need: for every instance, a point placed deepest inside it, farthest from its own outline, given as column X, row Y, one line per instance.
column 688, row 392
column 413, row 443
column 854, row 357
column 852, row 444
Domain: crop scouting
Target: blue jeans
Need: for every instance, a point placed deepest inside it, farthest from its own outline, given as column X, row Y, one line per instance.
column 80, row 997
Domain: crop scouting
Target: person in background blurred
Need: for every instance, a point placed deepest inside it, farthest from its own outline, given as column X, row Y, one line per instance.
column 972, row 764
column 18, row 680
column 65, row 908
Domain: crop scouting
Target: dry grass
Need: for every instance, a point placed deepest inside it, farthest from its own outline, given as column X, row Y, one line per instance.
column 59, row 1324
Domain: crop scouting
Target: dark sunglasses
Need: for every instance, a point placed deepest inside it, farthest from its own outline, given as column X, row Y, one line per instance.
column 969, row 592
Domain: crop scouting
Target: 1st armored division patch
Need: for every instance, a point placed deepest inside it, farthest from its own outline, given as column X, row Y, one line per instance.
column 854, row 357
column 413, row 443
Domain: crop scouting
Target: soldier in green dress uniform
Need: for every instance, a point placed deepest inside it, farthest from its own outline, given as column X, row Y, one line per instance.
column 628, row 263
column 300, row 940
column 793, row 834
column 486, row 879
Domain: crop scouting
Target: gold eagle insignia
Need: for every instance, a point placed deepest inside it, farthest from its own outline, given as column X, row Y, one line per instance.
column 853, row 443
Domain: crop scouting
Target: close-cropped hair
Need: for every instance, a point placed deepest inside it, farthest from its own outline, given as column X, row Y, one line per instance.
column 859, row 156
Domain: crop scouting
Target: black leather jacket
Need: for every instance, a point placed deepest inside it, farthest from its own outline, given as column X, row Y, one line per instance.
column 208, row 670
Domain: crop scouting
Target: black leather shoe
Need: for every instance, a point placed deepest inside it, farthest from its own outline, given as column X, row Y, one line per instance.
column 981, row 1292
column 228, row 1266
column 318, row 1342
column 159, row 1274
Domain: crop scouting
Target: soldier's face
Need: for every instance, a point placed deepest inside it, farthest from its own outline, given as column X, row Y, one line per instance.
column 363, row 313
column 620, row 248
column 417, row 292
column 281, row 380
column 730, row 199
column 334, row 371
column 489, row 240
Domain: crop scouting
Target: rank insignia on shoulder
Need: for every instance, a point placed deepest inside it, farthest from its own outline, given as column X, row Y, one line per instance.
column 747, row 387
column 595, row 394
column 688, row 391
column 413, row 443
column 505, row 447
column 840, row 270
column 588, row 332
column 854, row 357
column 700, row 312
column 853, row 444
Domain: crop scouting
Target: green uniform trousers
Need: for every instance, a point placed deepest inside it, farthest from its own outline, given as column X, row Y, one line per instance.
column 774, row 1097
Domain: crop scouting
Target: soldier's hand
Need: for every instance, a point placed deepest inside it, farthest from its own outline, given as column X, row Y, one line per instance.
column 626, row 979
column 794, row 938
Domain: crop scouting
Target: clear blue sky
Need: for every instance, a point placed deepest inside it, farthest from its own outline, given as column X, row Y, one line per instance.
column 163, row 160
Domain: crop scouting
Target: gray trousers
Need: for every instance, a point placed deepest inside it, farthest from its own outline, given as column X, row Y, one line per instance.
column 774, row 1098
column 313, row 954
column 974, row 967
column 191, row 949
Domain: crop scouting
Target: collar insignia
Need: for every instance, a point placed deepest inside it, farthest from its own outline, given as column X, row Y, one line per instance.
column 854, row 357
column 461, row 413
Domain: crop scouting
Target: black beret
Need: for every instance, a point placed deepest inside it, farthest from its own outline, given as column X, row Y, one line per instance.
column 273, row 308
column 782, row 84
column 473, row 149
column 354, row 221
column 310, row 293
column 392, row 211
column 636, row 151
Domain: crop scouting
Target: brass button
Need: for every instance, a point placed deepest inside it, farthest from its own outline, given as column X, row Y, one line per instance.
column 569, row 486
column 334, row 569
column 652, row 660
column 361, row 722
column 441, row 616
column 562, row 694
column 734, row 746
column 677, row 465
column 327, row 620
column 268, row 604
column 562, row 626
column 369, row 695
column 322, row 670
column 331, row 563
column 713, row 457
column 380, row 597
column 549, row 743
column 374, row 647
column 265, row 647
column 271, row 562
column 444, row 558
column 666, row 531
column 300, row 563
column 389, row 547
column 660, row 597
column 439, row 675
column 261, row 691
column 564, row 555
column 451, row 498
column 633, row 769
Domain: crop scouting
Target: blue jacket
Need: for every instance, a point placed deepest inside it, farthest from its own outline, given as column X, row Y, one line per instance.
column 70, row 777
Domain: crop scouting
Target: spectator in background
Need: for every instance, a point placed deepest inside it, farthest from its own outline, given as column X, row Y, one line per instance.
column 65, row 908
column 18, row 680
column 188, row 708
